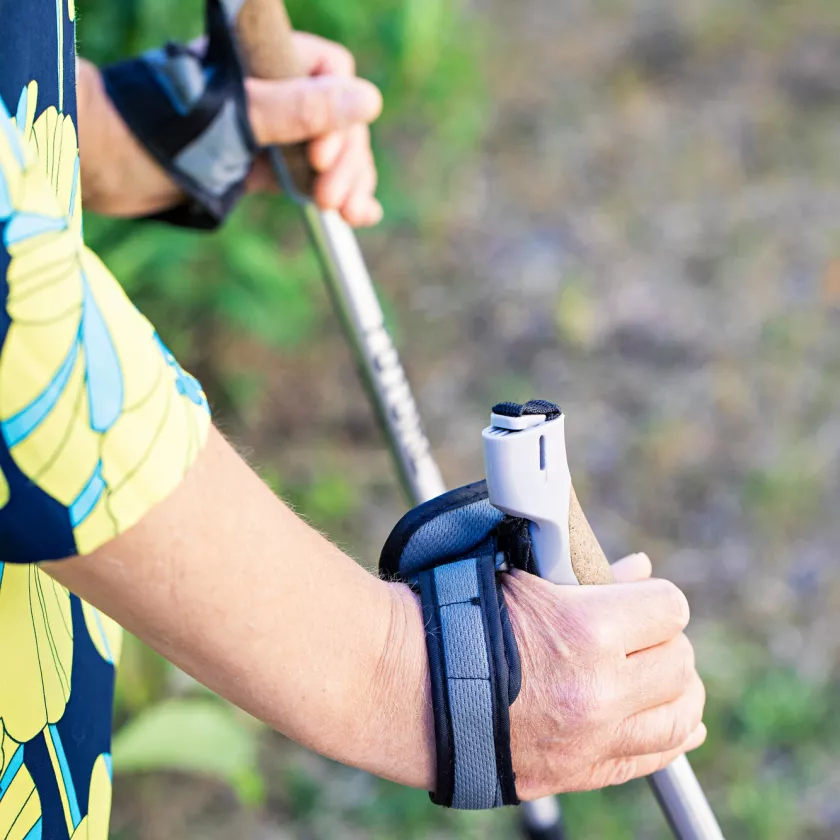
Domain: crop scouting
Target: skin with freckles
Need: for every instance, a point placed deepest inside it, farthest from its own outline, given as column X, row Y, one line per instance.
column 331, row 109
column 229, row 584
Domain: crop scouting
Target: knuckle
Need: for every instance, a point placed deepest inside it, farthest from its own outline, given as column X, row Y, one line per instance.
column 597, row 634
column 698, row 705
column 345, row 60
column 682, row 607
column 680, row 728
column 677, row 732
column 314, row 111
column 625, row 770
column 630, row 734
column 701, row 695
column 687, row 659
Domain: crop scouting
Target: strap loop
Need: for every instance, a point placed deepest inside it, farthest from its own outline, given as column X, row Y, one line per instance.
column 473, row 657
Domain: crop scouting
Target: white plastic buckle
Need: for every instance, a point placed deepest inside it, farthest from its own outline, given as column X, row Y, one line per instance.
column 528, row 477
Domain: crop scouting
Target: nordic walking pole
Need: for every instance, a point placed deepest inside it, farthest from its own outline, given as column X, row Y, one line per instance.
column 264, row 36
column 263, row 32
column 528, row 477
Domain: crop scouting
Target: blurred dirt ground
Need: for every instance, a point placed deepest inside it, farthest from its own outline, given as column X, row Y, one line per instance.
column 650, row 238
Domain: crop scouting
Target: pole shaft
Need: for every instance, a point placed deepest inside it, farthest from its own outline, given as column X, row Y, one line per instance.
column 378, row 362
column 683, row 802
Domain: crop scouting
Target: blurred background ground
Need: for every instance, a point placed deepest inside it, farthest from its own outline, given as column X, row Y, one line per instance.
column 628, row 206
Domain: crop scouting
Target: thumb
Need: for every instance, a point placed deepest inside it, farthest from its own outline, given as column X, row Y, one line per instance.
column 297, row 110
column 633, row 568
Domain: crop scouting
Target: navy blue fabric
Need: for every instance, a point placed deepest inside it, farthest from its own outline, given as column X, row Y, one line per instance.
column 505, row 672
column 84, row 729
column 28, row 52
column 23, row 59
column 445, row 755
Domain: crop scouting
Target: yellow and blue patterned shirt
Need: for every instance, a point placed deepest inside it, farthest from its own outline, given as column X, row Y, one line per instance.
column 98, row 423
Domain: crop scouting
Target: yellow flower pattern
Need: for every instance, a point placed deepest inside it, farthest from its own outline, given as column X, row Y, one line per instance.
column 95, row 824
column 98, row 423
column 20, row 805
column 93, row 408
column 105, row 633
column 35, row 612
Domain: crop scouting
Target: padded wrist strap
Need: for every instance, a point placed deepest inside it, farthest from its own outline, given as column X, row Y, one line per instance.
column 452, row 551
column 470, row 685
column 189, row 110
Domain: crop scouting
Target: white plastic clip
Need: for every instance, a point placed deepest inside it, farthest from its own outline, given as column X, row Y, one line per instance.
column 528, row 477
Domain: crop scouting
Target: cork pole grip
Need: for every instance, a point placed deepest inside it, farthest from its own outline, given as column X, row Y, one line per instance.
column 264, row 34
column 589, row 562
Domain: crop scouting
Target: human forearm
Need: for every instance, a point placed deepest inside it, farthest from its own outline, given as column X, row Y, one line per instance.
column 226, row 582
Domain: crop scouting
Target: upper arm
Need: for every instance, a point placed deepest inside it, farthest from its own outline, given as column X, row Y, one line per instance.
column 98, row 422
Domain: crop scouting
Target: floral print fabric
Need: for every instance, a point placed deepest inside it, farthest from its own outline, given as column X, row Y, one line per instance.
column 98, row 423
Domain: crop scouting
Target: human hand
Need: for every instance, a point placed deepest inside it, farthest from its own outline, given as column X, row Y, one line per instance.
column 609, row 690
column 331, row 109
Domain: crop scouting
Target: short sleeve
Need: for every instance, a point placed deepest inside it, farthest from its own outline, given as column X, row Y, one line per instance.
column 98, row 422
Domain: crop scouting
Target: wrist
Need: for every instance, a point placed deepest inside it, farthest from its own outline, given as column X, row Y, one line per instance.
column 119, row 178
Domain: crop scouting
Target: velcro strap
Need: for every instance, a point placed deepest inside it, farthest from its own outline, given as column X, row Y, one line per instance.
column 470, row 678
column 453, row 550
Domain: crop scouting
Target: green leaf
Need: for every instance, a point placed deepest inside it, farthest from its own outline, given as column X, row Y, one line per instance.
column 197, row 736
column 424, row 28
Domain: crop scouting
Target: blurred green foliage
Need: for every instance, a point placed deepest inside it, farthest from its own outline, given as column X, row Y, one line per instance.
column 192, row 736
column 257, row 276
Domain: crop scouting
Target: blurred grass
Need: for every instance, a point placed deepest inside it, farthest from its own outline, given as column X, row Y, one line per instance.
column 768, row 763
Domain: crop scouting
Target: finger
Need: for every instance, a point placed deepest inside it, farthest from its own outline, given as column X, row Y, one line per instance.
column 333, row 188
column 325, row 151
column 361, row 208
column 365, row 212
column 375, row 214
column 640, row 615
column 321, row 57
column 632, row 568
column 303, row 109
column 660, row 674
column 665, row 727
column 625, row 769
column 364, row 180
